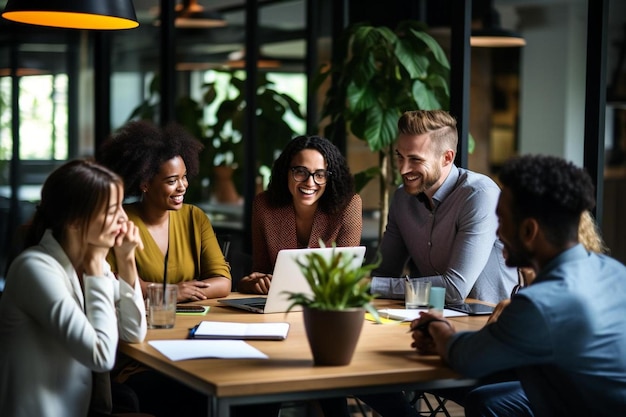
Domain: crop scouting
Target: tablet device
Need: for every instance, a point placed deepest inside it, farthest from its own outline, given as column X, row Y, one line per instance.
column 472, row 309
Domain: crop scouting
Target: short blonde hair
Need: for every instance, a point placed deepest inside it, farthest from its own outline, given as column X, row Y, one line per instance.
column 439, row 124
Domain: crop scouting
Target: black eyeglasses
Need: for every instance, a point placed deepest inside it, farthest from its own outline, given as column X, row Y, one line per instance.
column 301, row 174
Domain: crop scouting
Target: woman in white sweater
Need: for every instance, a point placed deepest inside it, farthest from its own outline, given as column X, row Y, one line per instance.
column 62, row 310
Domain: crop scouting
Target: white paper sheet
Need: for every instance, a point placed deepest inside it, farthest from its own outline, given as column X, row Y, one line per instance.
column 411, row 314
column 178, row 350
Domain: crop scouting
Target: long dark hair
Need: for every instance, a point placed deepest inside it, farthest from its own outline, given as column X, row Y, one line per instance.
column 340, row 185
column 74, row 192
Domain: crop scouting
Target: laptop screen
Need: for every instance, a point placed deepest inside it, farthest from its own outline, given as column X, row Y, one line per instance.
column 287, row 277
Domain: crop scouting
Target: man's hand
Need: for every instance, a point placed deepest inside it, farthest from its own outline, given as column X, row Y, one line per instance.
column 498, row 310
column 431, row 333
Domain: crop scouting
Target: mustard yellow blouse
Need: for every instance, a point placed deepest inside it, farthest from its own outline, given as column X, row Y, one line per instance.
column 193, row 253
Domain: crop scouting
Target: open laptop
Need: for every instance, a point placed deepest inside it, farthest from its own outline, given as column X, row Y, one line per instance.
column 288, row 277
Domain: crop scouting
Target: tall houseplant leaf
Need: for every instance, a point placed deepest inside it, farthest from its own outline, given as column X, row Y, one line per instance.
column 386, row 73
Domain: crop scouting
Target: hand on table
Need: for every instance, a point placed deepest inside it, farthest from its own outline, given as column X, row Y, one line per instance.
column 191, row 290
column 256, row 283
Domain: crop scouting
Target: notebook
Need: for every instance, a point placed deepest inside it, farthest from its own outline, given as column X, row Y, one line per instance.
column 288, row 277
column 242, row 331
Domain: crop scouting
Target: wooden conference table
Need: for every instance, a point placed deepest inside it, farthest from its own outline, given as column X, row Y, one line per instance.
column 383, row 362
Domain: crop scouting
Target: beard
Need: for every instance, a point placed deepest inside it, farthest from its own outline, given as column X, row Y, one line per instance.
column 516, row 256
column 427, row 181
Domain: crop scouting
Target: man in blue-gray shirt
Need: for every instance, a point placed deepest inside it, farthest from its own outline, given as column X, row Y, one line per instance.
column 564, row 335
column 442, row 221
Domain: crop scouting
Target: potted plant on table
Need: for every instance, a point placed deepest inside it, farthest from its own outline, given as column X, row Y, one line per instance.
column 334, row 311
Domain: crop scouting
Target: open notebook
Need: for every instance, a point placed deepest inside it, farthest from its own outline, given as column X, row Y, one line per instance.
column 288, row 277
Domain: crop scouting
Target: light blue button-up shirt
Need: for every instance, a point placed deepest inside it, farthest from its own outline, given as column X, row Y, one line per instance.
column 454, row 245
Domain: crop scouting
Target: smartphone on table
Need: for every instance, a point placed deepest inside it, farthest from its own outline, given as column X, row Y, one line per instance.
column 182, row 308
column 472, row 309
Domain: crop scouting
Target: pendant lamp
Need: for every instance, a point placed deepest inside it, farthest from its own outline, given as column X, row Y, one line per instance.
column 73, row 14
column 492, row 35
column 191, row 15
column 237, row 60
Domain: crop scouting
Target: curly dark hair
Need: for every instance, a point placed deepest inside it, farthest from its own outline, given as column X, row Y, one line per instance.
column 551, row 190
column 139, row 148
column 340, row 185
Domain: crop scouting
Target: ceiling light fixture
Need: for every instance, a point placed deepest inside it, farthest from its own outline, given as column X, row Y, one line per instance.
column 73, row 14
column 21, row 72
column 237, row 59
column 491, row 34
column 191, row 15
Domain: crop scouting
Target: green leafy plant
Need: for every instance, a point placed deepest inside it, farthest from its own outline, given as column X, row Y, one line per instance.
column 335, row 283
column 384, row 74
column 273, row 130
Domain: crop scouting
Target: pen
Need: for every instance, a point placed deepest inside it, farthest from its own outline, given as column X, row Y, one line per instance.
column 192, row 331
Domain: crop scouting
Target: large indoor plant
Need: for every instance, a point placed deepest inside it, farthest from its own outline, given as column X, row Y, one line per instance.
column 334, row 311
column 384, row 73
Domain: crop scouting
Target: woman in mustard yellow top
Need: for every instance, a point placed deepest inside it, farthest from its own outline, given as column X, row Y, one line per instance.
column 179, row 241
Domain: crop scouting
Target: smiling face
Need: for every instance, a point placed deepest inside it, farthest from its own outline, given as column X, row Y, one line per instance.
column 419, row 164
column 167, row 189
column 306, row 193
column 107, row 223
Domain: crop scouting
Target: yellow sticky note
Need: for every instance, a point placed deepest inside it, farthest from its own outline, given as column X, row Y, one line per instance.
column 383, row 320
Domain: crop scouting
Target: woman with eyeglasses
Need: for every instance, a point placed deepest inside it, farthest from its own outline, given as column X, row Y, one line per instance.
column 310, row 197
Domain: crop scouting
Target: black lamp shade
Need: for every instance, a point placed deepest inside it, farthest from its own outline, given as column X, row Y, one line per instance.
column 75, row 14
column 492, row 35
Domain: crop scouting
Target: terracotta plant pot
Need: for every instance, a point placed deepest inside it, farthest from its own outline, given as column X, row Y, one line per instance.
column 224, row 190
column 333, row 335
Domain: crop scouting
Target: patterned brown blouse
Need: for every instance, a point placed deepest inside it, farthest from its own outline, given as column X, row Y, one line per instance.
column 274, row 229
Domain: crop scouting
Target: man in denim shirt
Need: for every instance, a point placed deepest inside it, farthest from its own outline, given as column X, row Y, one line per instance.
column 563, row 336
column 442, row 221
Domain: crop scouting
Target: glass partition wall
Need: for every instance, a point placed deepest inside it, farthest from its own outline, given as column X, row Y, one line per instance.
column 63, row 91
column 211, row 93
column 52, row 82
column 37, row 86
